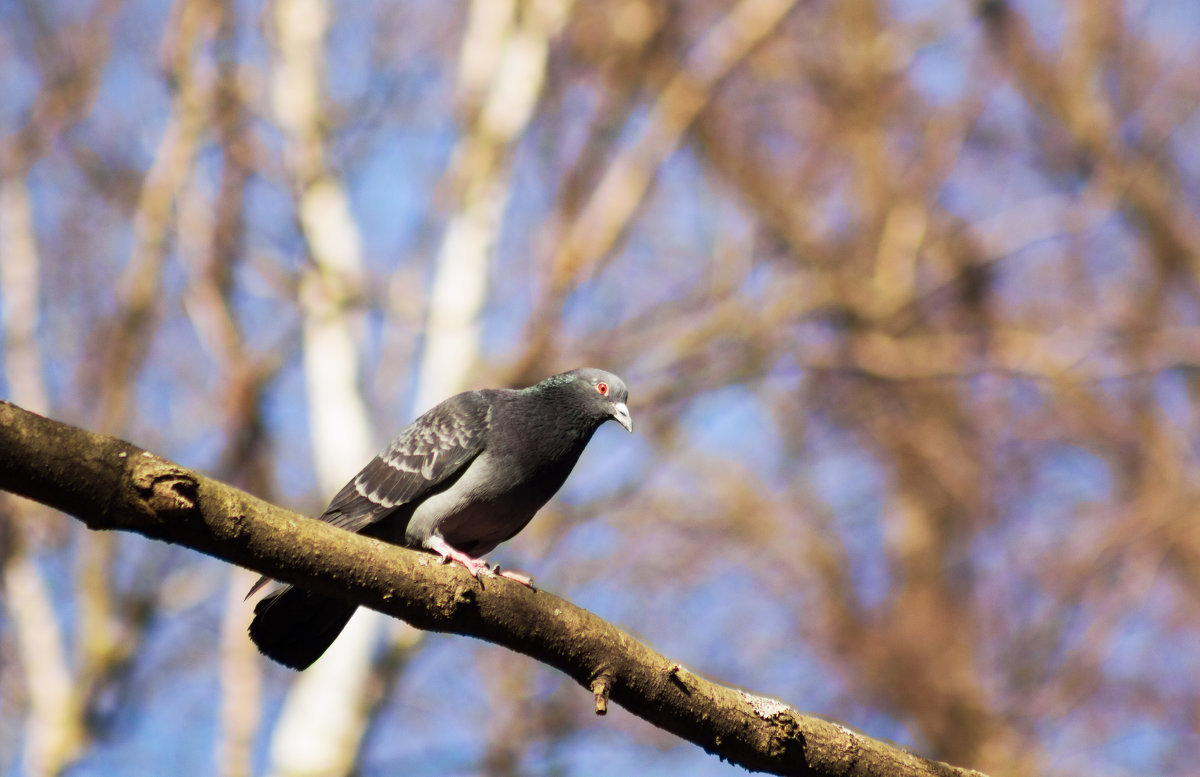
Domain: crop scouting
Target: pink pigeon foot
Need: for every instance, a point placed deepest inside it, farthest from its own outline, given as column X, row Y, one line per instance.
column 450, row 553
column 523, row 579
column 473, row 565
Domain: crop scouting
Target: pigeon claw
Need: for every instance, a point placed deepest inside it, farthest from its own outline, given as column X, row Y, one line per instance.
column 449, row 553
column 475, row 566
column 519, row 577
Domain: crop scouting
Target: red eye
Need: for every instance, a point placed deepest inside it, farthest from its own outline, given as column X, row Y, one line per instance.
column 602, row 388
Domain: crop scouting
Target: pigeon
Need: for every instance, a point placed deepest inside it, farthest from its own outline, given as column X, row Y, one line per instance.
column 464, row 477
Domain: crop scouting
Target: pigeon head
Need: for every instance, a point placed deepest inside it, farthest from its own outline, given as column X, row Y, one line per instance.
column 602, row 394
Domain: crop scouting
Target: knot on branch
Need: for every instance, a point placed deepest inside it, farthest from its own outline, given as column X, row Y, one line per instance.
column 601, row 686
column 764, row 707
column 166, row 490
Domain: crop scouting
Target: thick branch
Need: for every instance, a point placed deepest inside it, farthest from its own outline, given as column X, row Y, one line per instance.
column 110, row 484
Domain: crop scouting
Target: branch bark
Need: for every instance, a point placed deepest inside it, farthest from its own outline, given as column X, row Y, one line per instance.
column 111, row 484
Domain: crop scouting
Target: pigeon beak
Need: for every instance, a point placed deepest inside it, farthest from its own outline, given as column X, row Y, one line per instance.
column 621, row 412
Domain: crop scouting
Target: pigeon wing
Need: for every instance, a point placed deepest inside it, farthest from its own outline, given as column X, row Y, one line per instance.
column 427, row 453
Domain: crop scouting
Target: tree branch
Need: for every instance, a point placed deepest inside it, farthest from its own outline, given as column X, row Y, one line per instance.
column 111, row 484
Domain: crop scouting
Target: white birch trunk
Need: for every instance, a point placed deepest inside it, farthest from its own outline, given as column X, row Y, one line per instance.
column 323, row 717
column 502, row 70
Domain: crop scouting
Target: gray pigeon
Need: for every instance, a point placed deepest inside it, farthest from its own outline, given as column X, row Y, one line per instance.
column 458, row 481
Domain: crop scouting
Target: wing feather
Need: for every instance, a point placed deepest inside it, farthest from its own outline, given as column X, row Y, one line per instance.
column 426, row 453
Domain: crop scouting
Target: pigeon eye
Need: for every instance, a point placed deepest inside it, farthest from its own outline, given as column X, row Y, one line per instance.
column 602, row 388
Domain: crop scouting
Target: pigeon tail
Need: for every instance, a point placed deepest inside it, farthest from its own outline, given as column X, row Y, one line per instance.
column 294, row 626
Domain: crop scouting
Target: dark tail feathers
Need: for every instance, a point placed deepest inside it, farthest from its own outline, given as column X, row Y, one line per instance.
column 294, row 626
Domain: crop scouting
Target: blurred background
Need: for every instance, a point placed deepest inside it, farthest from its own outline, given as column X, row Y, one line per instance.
column 906, row 294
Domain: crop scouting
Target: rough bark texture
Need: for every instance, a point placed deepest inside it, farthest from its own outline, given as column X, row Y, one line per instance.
column 111, row 484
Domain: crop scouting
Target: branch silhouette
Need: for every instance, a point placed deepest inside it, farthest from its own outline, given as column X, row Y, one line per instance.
column 109, row 484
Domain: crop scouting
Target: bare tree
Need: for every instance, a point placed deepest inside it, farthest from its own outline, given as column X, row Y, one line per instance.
column 905, row 294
